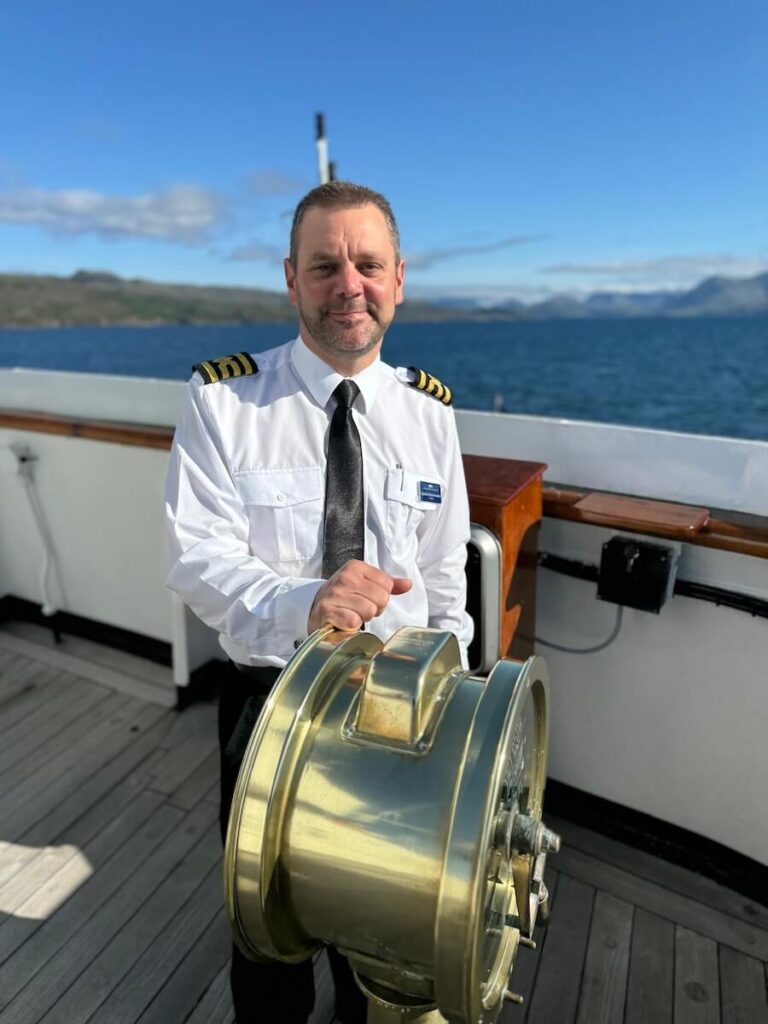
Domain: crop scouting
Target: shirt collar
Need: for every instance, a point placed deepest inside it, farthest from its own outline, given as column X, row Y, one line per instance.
column 321, row 380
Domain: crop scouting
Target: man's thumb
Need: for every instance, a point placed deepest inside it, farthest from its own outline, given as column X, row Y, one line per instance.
column 400, row 585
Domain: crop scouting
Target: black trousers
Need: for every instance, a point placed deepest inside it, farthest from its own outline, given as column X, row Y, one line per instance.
column 272, row 992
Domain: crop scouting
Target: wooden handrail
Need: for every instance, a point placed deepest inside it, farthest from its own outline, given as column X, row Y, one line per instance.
column 746, row 535
column 92, row 430
column 746, row 538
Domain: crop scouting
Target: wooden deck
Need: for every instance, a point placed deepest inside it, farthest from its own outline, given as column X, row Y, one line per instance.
column 110, row 890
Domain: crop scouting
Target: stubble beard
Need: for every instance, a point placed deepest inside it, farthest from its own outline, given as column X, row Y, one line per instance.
column 337, row 340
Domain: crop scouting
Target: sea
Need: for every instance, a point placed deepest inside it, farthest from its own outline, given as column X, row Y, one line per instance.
column 703, row 376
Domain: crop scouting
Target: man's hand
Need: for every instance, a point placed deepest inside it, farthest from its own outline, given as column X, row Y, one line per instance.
column 354, row 594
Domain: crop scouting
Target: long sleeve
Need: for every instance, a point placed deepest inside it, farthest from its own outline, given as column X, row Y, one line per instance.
column 443, row 551
column 212, row 567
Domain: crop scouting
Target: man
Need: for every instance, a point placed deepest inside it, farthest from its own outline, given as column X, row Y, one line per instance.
column 312, row 485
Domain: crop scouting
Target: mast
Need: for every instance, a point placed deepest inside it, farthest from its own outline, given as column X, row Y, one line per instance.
column 326, row 170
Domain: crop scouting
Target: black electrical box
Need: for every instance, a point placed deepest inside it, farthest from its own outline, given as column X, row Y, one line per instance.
column 636, row 573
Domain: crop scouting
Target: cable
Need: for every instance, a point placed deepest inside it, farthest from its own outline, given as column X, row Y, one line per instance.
column 755, row 606
column 589, row 650
column 569, row 567
column 719, row 596
column 25, row 461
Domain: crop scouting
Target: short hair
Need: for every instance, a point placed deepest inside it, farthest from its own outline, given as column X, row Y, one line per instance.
column 342, row 195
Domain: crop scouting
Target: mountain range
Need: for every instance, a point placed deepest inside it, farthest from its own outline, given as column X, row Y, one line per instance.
column 100, row 298
column 714, row 296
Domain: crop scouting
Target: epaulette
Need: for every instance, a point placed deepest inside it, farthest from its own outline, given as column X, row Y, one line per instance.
column 225, row 367
column 423, row 381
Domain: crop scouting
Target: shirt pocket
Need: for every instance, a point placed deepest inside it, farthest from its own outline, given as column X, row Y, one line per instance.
column 285, row 512
column 405, row 510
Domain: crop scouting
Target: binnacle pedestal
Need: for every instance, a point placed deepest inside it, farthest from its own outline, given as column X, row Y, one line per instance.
column 389, row 804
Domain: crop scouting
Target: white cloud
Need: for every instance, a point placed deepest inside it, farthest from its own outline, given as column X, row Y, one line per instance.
column 484, row 295
column 258, row 252
column 428, row 257
column 664, row 271
column 183, row 213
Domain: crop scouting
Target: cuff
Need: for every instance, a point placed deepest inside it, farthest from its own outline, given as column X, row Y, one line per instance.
column 294, row 605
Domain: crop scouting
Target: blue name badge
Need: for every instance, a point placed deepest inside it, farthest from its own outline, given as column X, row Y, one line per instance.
column 430, row 492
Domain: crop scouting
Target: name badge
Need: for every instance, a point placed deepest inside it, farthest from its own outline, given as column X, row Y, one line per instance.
column 430, row 492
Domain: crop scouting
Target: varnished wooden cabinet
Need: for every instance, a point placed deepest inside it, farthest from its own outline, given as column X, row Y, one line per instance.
column 505, row 496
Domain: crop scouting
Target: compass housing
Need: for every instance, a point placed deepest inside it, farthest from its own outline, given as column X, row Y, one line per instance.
column 389, row 804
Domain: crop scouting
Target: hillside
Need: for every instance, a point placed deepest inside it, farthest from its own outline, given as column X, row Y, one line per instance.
column 723, row 296
column 99, row 298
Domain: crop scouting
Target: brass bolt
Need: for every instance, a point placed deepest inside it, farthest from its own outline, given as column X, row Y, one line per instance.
column 513, row 997
column 550, row 841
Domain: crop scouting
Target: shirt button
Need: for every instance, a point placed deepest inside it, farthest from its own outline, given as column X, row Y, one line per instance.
column 281, row 498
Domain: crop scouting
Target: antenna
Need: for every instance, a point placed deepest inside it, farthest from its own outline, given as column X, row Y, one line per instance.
column 323, row 167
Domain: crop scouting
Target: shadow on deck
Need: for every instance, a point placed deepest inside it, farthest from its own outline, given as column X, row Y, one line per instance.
column 110, row 880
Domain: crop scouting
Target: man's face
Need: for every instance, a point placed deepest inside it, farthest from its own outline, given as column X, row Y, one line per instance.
column 345, row 283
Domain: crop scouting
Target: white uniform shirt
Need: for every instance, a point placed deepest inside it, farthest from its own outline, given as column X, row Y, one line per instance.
column 246, row 490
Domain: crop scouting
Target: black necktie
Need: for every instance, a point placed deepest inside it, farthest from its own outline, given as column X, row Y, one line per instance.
column 344, row 521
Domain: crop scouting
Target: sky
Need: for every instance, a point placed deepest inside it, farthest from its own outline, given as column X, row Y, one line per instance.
column 527, row 149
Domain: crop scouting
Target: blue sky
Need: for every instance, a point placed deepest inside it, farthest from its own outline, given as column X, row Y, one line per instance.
column 527, row 149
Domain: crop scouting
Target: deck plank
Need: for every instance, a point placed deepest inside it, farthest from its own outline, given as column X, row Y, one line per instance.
column 650, row 989
column 179, row 763
column 135, row 676
column 13, row 858
column 67, row 715
column 113, row 961
column 89, row 651
column 14, row 668
column 7, row 660
column 188, row 994
column 195, row 912
column 697, row 988
column 742, row 988
column 98, row 812
column 54, row 890
column 556, row 995
column 194, row 720
column 84, row 912
column 604, row 982
column 213, row 795
column 23, row 784
column 193, row 789
column 653, row 869
column 27, row 891
column 38, row 796
column 11, row 659
column 690, row 913
column 215, row 1007
column 115, row 890
column 28, row 700
column 130, row 765
column 110, row 920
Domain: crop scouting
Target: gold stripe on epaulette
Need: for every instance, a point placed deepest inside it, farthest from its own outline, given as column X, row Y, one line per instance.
column 430, row 386
column 225, row 367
